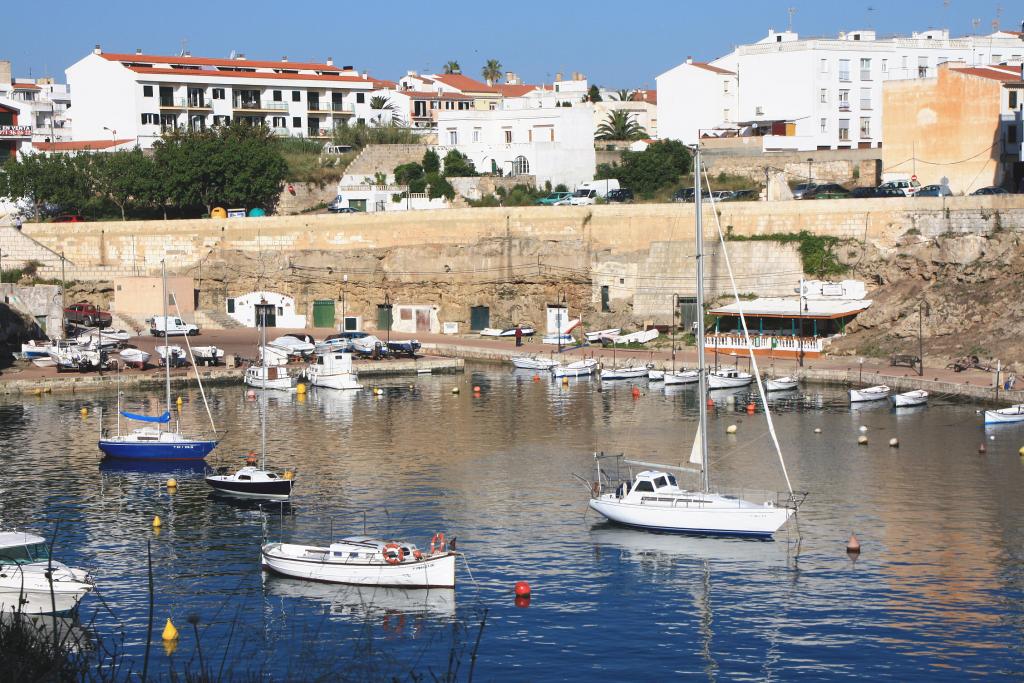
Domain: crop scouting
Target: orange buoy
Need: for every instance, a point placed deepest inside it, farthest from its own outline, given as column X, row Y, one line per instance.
column 636, row 392
column 711, row 402
column 853, row 545
column 751, row 408
column 523, row 601
column 536, row 378
column 522, row 589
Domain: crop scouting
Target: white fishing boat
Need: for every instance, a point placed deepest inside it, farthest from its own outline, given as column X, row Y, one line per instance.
column 333, row 371
column 32, row 583
column 171, row 353
column 674, row 377
column 533, row 363
column 918, row 397
column 103, row 339
column 653, row 499
column 1014, row 413
column 641, row 337
column 269, row 377
column 136, row 357
column 272, row 355
column 579, row 368
column 558, row 339
column 70, row 356
column 361, row 560
column 625, row 372
column 728, row 378
column 782, row 384
column 526, row 330
column 655, row 375
column 876, row 393
column 598, row 335
column 35, row 348
column 208, row 355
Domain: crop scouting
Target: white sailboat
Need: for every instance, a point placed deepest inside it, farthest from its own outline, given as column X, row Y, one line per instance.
column 579, row 368
column 653, row 498
column 533, row 363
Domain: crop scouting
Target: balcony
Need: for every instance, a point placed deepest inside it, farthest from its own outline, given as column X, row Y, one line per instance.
column 256, row 105
column 865, row 105
column 844, row 76
column 183, row 103
column 336, row 108
column 319, row 132
column 844, row 106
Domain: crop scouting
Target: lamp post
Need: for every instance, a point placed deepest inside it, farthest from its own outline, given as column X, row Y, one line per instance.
column 923, row 310
column 113, row 133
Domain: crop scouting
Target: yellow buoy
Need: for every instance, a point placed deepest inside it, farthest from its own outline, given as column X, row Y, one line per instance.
column 156, row 522
column 731, row 429
column 84, row 411
column 170, row 633
column 179, row 401
column 1021, row 451
column 172, row 483
column 300, row 388
column 170, row 647
column 288, row 474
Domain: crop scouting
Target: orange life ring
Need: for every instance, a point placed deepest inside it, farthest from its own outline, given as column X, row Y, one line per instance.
column 250, row 458
column 437, row 543
column 393, row 553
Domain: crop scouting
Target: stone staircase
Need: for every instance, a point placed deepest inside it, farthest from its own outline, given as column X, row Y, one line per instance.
column 123, row 321
column 18, row 249
column 209, row 319
column 383, row 159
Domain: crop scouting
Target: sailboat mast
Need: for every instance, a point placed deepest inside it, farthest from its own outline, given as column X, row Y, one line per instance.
column 167, row 350
column 263, row 397
column 702, row 379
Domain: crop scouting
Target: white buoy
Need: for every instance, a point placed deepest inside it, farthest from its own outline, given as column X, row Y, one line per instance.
column 894, row 442
column 731, row 429
column 817, row 430
column 862, row 440
column 863, row 428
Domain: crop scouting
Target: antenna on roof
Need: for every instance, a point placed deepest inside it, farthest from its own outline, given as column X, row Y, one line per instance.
column 790, row 11
column 232, row 55
column 867, row 16
column 184, row 48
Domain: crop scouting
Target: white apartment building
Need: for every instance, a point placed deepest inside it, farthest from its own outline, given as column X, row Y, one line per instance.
column 31, row 111
column 138, row 96
column 815, row 93
column 553, row 144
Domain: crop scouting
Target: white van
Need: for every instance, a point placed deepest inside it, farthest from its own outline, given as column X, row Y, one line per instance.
column 583, row 197
column 173, row 324
column 587, row 193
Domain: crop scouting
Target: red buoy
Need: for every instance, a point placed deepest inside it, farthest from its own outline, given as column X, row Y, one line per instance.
column 476, row 389
column 636, row 392
column 853, row 545
column 981, row 448
column 522, row 601
column 711, row 402
column 522, row 589
column 536, row 378
column 751, row 408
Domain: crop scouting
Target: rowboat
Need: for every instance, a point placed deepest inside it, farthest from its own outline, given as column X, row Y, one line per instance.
column 918, row 397
column 728, row 378
column 1014, row 413
column 533, row 363
column 594, row 337
column 876, row 393
column 136, row 357
column 781, row 384
column 580, row 368
column 628, row 372
column 506, row 331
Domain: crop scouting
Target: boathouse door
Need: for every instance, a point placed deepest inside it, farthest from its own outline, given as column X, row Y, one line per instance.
column 479, row 318
column 323, row 313
column 266, row 314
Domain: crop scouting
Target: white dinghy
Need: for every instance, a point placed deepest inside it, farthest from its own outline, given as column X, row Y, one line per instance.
column 579, row 368
column 136, row 357
column 1014, row 413
column 918, row 397
column 782, row 384
column 365, row 561
column 875, row 393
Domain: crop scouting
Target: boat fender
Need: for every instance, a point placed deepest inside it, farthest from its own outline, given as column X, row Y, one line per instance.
column 417, row 554
column 393, row 553
column 437, row 543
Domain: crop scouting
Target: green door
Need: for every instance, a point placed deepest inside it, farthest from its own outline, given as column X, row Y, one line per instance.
column 479, row 317
column 384, row 319
column 323, row 313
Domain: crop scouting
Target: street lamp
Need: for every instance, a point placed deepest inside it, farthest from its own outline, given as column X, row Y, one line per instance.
column 923, row 310
column 561, row 307
column 113, row 133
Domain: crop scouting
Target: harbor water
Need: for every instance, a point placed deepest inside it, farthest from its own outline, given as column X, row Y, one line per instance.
column 936, row 593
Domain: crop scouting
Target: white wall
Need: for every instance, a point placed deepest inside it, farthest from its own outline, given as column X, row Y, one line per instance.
column 245, row 309
column 691, row 99
column 104, row 96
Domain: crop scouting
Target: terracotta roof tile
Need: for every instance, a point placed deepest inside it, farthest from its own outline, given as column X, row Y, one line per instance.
column 79, row 145
column 517, row 90
column 995, row 73
column 713, row 69
column 25, row 86
column 434, row 95
column 251, row 74
column 208, row 61
column 464, row 83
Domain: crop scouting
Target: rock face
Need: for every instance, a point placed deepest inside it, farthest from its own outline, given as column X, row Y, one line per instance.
column 969, row 290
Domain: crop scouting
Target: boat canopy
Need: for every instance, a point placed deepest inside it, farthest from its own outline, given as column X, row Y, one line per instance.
column 166, row 417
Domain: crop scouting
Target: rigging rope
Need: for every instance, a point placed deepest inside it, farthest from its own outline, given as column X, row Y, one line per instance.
column 192, row 358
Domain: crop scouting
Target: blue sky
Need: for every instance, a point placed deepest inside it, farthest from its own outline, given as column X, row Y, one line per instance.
column 616, row 44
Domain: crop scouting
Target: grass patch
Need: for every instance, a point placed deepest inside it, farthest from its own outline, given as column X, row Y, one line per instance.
column 817, row 252
column 307, row 164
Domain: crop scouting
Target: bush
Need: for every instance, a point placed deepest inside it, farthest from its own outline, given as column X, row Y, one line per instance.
column 817, row 252
column 457, row 165
column 658, row 166
column 360, row 135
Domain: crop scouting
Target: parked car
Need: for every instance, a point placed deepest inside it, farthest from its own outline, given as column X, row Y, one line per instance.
column 907, row 187
column 337, row 205
column 683, row 194
column 742, row 196
column 583, row 197
column 621, row 196
column 828, row 191
column 801, row 191
column 84, row 313
column 990, row 190
column 934, row 191
column 554, row 198
column 347, row 209
column 69, row 218
column 173, row 324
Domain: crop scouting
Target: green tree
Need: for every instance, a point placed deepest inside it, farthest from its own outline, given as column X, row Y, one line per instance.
column 452, row 67
column 406, row 174
column 594, row 94
column 656, row 167
column 491, row 71
column 57, row 180
column 620, row 125
column 437, row 186
column 431, row 162
column 623, row 95
column 122, row 177
column 458, row 165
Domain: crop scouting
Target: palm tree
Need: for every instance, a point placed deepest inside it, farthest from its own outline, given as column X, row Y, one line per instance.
column 623, row 95
column 491, row 71
column 620, row 125
column 385, row 105
column 452, row 67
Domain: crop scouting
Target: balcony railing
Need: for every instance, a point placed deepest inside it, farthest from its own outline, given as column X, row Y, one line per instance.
column 865, row 104
column 844, row 106
column 318, row 132
column 256, row 105
column 332, row 107
column 183, row 103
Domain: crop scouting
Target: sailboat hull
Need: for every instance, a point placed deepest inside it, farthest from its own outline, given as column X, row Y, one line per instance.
column 754, row 521
column 172, row 450
column 280, row 489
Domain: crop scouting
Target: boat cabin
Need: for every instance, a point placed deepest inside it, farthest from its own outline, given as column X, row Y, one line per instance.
column 649, row 481
column 22, row 548
column 332, row 362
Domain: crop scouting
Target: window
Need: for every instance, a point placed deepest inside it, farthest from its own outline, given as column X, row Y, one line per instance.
column 231, row 305
column 823, row 95
column 644, row 486
column 1011, row 134
column 824, row 125
column 922, row 67
column 865, row 98
column 280, row 122
column 865, row 128
column 1013, row 99
column 844, row 129
column 823, row 66
column 221, row 120
column 147, row 91
column 296, row 122
column 659, row 482
column 844, row 69
column 996, row 59
column 453, row 136
column 217, row 93
column 885, row 66
column 725, row 86
column 758, row 111
column 492, row 106
column 151, row 119
column 865, row 69
column 520, row 166
column 476, row 135
column 508, row 136
column 360, row 97
column 844, row 100
column 168, row 120
column 726, row 115
column 277, row 96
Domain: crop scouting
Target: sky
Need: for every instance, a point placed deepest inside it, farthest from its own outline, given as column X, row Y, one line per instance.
column 615, row 44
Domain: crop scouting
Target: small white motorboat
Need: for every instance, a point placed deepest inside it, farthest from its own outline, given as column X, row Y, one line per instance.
column 595, row 337
column 918, row 397
column 533, row 363
column 507, row 331
column 655, row 375
column 627, row 372
column 136, row 357
column 208, row 355
column 1014, row 413
column 175, row 353
column 641, row 337
column 555, row 339
column 272, row 377
column 104, row 339
column 365, row 561
column 876, row 393
column 333, row 371
column 579, row 368
column 32, row 583
column 369, row 345
column 781, row 383
column 293, row 345
column 728, row 378
column 35, row 348
column 674, row 377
